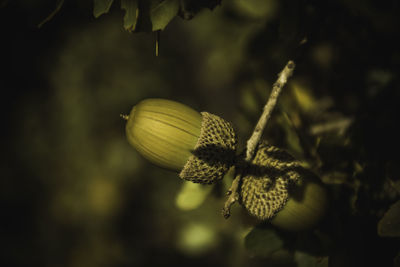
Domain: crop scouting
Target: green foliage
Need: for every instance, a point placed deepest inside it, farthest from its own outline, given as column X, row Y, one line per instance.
column 303, row 249
column 131, row 14
column 144, row 15
column 263, row 241
column 192, row 195
column 306, row 260
column 152, row 15
column 389, row 225
column 162, row 13
column 101, row 6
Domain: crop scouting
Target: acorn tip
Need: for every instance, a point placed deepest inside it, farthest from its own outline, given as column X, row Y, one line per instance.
column 124, row 116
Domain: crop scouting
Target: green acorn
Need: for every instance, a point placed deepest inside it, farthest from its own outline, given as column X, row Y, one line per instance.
column 276, row 187
column 201, row 146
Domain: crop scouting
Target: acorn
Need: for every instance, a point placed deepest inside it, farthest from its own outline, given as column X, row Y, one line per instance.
column 200, row 146
column 276, row 187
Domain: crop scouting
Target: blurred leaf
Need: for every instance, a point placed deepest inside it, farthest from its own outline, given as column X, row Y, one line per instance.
column 323, row 55
column 196, row 238
column 162, row 13
column 101, row 7
column 306, row 260
column 263, row 241
column 153, row 15
column 189, row 8
column 256, row 8
column 304, row 97
column 389, row 225
column 395, row 185
column 248, row 101
column 335, row 177
column 377, row 80
column 192, row 195
column 334, row 125
column 131, row 14
column 292, row 137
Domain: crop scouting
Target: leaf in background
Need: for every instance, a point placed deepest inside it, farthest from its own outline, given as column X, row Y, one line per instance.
column 256, row 8
column 395, row 185
column 192, row 195
column 131, row 14
column 197, row 238
column 101, row 7
column 153, row 15
column 189, row 8
column 306, row 260
column 389, row 225
column 263, row 241
column 305, row 99
column 292, row 137
column 249, row 101
column 162, row 13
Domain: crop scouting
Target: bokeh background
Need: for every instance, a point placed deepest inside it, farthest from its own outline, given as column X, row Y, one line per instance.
column 74, row 193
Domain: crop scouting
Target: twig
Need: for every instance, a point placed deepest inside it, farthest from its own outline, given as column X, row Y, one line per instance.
column 252, row 143
column 158, row 33
column 262, row 122
column 233, row 194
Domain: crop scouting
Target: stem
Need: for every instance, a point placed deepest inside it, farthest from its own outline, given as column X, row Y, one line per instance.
column 252, row 143
column 157, row 48
column 233, row 194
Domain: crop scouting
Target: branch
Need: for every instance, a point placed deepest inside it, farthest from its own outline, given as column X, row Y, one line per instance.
column 262, row 122
column 252, row 143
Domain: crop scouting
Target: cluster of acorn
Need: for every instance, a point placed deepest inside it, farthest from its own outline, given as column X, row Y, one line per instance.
column 202, row 148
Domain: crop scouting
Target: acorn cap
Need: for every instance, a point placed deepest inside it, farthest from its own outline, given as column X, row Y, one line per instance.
column 174, row 136
column 266, row 180
column 214, row 152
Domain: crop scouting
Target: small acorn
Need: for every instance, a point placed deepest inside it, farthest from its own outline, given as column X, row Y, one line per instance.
column 276, row 187
column 201, row 146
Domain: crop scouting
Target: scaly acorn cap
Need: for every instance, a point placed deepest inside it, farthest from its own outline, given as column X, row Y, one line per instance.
column 214, row 152
column 275, row 186
column 201, row 146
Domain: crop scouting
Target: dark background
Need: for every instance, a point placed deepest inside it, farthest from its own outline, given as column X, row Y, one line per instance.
column 74, row 193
